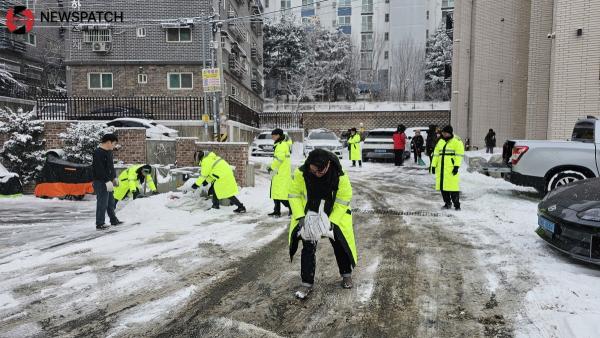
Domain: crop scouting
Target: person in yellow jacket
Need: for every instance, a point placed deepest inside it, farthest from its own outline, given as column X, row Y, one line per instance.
column 281, row 170
column 354, row 145
column 132, row 179
column 447, row 158
column 322, row 178
column 218, row 172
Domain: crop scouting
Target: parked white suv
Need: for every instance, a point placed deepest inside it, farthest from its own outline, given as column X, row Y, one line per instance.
column 263, row 144
column 153, row 129
column 323, row 139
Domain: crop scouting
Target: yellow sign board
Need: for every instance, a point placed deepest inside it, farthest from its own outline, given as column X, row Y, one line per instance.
column 211, row 80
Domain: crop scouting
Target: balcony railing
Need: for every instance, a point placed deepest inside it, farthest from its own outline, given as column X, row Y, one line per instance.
column 8, row 42
column 255, row 55
column 235, row 29
column 256, row 86
column 235, row 66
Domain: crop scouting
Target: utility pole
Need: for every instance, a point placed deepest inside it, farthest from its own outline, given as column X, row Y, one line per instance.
column 216, row 63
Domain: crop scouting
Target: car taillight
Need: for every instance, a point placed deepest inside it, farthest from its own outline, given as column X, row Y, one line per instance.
column 517, row 153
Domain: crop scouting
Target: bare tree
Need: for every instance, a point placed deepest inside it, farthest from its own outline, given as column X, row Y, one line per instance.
column 408, row 71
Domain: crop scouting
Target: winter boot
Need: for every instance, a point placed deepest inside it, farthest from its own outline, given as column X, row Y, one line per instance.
column 303, row 292
column 214, row 207
column 457, row 208
column 102, row 227
column 275, row 214
column 116, row 223
column 240, row 210
column 347, row 282
column 447, row 207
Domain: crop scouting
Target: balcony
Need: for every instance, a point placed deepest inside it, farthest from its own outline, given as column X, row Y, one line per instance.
column 235, row 66
column 255, row 55
column 235, row 29
column 256, row 86
column 8, row 42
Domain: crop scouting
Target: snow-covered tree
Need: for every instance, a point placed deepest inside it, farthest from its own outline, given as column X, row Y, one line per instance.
column 23, row 152
column 81, row 139
column 439, row 57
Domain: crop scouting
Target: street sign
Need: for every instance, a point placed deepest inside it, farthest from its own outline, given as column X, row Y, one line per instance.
column 211, row 80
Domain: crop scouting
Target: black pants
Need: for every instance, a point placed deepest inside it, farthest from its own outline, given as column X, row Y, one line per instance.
column 398, row 157
column 451, row 197
column 105, row 203
column 417, row 155
column 308, row 261
column 215, row 201
column 359, row 163
column 278, row 204
column 489, row 150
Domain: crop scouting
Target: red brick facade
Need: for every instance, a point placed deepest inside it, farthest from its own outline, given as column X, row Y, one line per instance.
column 51, row 131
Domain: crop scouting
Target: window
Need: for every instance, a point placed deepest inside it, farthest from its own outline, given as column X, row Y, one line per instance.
column 97, row 35
column 180, row 81
column 344, row 20
column 234, row 91
column 345, row 3
column 30, row 39
column 367, row 6
column 427, row 33
column 366, row 41
column 266, row 3
column 179, row 34
column 367, row 23
column 100, row 81
column 386, row 36
column 387, row 1
column 142, row 78
column 307, row 3
column 387, row 17
column 286, row 4
column 583, row 132
column 366, row 60
column 386, row 55
column 427, row 15
column 141, row 32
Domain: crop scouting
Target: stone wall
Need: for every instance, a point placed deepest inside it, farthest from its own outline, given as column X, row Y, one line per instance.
column 51, row 131
column 341, row 121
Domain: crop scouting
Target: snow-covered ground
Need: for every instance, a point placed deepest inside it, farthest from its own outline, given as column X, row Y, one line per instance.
column 54, row 263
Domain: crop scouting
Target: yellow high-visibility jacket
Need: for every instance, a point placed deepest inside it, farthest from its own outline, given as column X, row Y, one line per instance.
column 355, row 151
column 282, row 170
column 340, row 217
column 129, row 182
column 217, row 171
column 446, row 156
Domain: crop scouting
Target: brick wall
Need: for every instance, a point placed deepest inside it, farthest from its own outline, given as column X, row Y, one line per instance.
column 185, row 149
column 236, row 154
column 132, row 141
column 341, row 121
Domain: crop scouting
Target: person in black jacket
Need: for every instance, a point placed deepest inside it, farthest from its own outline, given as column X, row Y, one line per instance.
column 431, row 141
column 105, row 179
column 417, row 145
column 490, row 141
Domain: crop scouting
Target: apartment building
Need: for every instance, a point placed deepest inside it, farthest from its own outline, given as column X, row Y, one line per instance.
column 35, row 59
column 160, row 50
column 527, row 69
column 376, row 27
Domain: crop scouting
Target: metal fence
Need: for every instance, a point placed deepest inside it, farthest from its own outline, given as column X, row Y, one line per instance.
column 242, row 114
column 285, row 120
column 108, row 108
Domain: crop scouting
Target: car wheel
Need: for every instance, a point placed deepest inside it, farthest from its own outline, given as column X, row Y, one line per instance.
column 564, row 178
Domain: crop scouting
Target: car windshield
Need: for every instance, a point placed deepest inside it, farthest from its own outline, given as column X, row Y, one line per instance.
column 154, row 124
column 322, row 136
column 263, row 136
column 381, row 134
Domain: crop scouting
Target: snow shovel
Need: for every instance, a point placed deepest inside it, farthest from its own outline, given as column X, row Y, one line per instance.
column 421, row 162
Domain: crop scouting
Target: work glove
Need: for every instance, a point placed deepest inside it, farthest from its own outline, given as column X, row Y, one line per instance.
column 195, row 186
column 130, row 195
column 455, row 171
column 269, row 170
column 204, row 184
column 109, row 186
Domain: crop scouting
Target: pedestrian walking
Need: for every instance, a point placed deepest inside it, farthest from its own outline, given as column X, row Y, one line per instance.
column 447, row 159
column 281, row 171
column 133, row 180
column 104, row 181
column 490, row 141
column 430, row 142
column 217, row 172
column 417, row 145
column 321, row 178
column 399, row 138
column 355, row 149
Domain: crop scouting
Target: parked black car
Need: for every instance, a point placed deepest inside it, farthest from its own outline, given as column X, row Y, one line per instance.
column 569, row 219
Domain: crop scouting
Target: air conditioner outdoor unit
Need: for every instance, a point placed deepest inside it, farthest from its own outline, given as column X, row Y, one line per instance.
column 100, row 47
